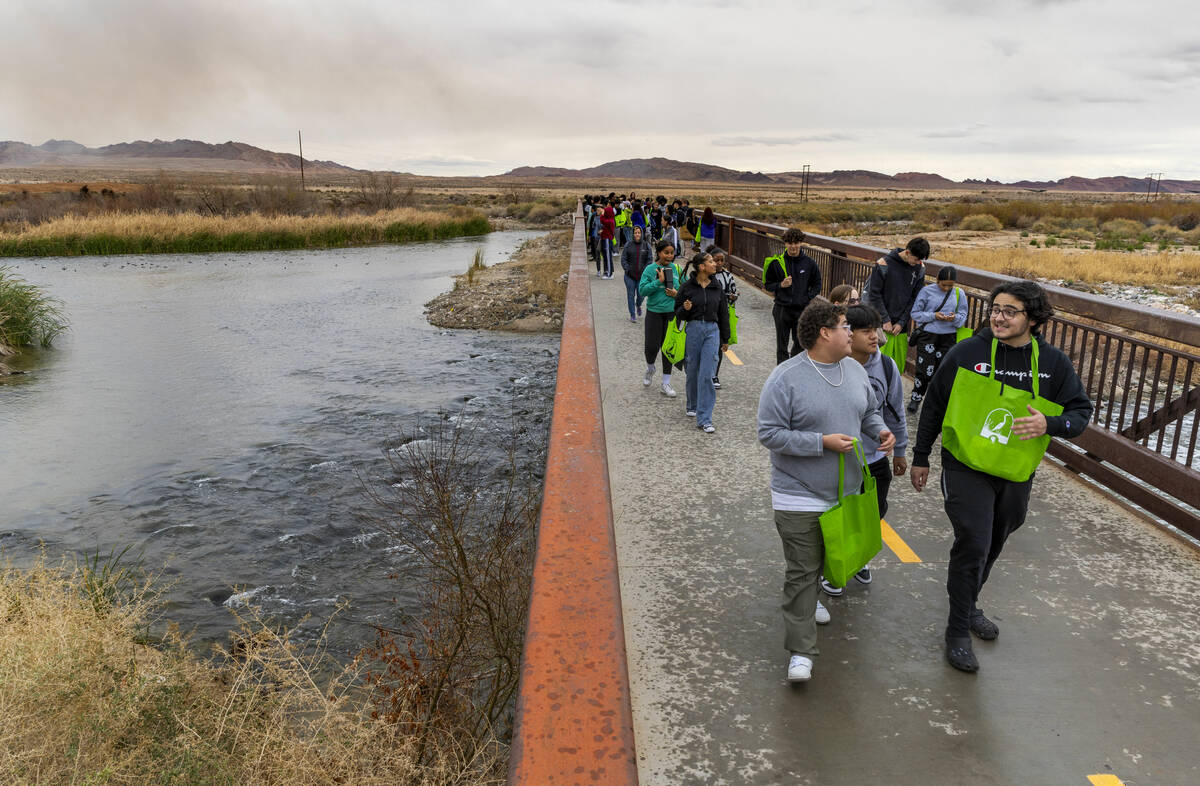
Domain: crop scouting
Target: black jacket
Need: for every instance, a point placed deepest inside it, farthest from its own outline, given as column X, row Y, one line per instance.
column 709, row 304
column 635, row 257
column 892, row 288
column 1058, row 383
column 806, row 280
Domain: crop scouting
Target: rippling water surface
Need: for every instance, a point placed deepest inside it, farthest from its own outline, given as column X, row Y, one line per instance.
column 223, row 411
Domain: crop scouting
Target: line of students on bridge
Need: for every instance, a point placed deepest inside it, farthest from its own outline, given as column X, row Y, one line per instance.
column 995, row 398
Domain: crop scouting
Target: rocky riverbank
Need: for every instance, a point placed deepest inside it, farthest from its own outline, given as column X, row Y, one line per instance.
column 525, row 294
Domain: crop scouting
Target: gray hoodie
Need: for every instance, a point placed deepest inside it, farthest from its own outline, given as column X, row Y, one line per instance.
column 798, row 407
column 893, row 415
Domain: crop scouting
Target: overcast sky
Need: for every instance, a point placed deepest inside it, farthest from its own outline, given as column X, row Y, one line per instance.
column 1038, row 89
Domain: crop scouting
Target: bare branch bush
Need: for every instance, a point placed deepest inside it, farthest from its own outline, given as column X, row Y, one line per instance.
column 454, row 676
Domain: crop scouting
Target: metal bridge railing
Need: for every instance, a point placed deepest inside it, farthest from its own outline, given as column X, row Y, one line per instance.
column 1141, row 367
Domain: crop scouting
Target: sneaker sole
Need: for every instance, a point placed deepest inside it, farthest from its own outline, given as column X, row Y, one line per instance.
column 863, row 581
column 834, row 592
column 799, row 679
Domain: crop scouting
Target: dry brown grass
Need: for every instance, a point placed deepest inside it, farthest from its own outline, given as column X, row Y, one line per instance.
column 168, row 225
column 83, row 700
column 545, row 261
column 1159, row 269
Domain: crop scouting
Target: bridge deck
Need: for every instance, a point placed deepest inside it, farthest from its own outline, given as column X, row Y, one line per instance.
column 1096, row 673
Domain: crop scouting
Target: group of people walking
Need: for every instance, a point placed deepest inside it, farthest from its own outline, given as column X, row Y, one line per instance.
column 995, row 397
column 695, row 298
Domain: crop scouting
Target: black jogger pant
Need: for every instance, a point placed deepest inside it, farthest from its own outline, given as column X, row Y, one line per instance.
column 931, row 348
column 656, row 331
column 984, row 510
column 882, row 472
column 785, row 332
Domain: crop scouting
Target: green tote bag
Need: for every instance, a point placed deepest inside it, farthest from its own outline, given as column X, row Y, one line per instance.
column 977, row 427
column 733, row 320
column 675, row 342
column 850, row 528
column 897, row 349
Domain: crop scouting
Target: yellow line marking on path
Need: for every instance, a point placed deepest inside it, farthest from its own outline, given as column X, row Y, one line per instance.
column 897, row 544
column 734, row 359
column 1105, row 780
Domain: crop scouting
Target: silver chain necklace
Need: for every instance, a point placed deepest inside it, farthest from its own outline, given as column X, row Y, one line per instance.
column 837, row 384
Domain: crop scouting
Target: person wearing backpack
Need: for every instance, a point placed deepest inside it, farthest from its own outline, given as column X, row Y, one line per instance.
column 990, row 454
column 888, row 386
column 608, row 231
column 729, row 286
column 892, row 288
column 794, row 278
column 938, row 312
column 706, row 231
column 635, row 257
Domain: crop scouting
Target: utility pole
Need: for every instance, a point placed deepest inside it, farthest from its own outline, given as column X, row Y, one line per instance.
column 805, row 176
column 301, row 141
column 1155, row 181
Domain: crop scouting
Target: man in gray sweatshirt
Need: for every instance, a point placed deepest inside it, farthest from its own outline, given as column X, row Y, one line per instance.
column 812, row 407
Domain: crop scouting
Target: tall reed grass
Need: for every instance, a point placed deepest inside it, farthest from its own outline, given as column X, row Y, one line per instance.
column 159, row 232
column 28, row 316
column 1164, row 268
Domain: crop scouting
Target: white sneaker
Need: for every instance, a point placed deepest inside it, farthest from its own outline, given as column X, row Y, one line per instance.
column 822, row 614
column 691, row 413
column 799, row 669
column 708, row 428
column 668, row 391
column 647, row 378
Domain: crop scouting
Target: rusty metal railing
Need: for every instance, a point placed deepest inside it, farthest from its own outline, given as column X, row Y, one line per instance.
column 1141, row 367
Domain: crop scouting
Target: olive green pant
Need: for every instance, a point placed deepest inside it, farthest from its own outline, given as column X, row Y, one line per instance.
column 804, row 551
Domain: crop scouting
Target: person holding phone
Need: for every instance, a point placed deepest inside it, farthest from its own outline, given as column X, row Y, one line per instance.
column 702, row 304
column 657, row 285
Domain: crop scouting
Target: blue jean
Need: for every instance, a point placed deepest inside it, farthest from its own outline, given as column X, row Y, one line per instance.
column 606, row 252
column 631, row 291
column 700, row 355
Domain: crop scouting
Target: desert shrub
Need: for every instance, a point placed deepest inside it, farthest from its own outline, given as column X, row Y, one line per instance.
column 1166, row 233
column 28, row 316
column 981, row 222
column 1122, row 228
column 1186, row 221
column 542, row 212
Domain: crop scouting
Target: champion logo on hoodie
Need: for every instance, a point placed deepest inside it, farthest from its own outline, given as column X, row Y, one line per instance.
column 983, row 368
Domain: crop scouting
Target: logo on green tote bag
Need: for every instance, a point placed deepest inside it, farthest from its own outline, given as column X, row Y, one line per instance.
column 997, row 426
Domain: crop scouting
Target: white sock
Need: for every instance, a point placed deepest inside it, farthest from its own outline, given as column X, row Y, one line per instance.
column 666, row 380
column 650, row 368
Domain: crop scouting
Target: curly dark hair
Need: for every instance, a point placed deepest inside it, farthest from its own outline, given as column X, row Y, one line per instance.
column 819, row 314
column 793, row 235
column 1032, row 296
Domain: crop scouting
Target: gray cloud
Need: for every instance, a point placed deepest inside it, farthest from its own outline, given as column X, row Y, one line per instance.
column 445, row 161
column 955, row 133
column 781, row 141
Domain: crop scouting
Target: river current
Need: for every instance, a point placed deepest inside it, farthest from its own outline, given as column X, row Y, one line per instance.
column 227, row 415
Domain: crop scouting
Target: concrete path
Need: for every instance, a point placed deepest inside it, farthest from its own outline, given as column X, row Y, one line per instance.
column 1096, row 674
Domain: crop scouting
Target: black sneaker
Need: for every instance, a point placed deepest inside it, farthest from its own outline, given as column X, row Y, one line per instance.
column 960, row 655
column 716, row 382
column 863, row 576
column 912, row 407
column 983, row 627
column 829, row 589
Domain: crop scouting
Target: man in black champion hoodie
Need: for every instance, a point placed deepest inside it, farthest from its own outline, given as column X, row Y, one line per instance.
column 984, row 509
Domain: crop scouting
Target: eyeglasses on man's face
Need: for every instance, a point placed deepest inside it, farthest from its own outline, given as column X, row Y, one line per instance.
column 1008, row 312
column 854, row 301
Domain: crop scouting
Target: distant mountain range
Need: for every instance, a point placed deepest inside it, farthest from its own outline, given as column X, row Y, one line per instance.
column 191, row 155
column 668, row 169
column 185, row 154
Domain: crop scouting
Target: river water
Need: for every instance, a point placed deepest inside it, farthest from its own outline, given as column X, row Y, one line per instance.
column 226, row 413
